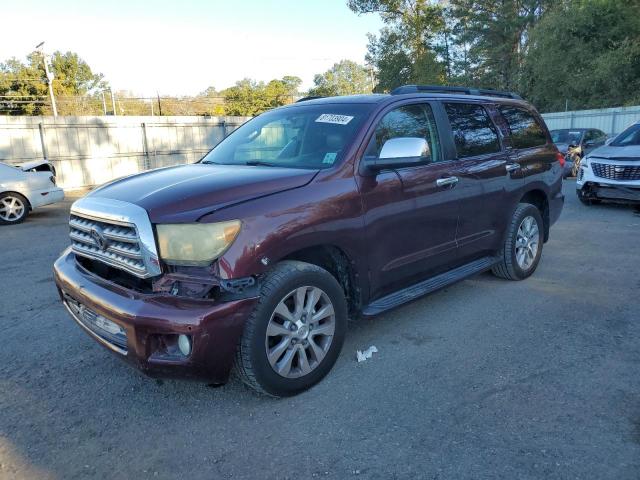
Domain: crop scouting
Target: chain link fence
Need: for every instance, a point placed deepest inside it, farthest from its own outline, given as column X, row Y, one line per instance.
column 108, row 103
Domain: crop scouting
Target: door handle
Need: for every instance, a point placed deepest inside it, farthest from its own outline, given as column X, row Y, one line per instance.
column 512, row 167
column 443, row 182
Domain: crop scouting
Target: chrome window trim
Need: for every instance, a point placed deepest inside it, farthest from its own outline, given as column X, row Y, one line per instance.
column 126, row 214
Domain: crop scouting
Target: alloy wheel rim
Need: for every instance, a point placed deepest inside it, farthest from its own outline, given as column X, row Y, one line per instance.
column 11, row 209
column 527, row 241
column 300, row 332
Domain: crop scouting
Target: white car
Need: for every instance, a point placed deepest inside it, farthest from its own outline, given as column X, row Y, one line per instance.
column 612, row 172
column 26, row 188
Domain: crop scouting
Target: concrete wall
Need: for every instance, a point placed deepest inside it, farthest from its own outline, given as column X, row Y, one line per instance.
column 92, row 150
column 610, row 120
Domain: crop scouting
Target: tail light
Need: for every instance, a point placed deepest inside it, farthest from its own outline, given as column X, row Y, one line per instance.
column 560, row 158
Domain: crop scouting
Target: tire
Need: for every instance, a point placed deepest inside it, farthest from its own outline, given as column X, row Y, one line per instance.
column 511, row 265
column 279, row 295
column 14, row 208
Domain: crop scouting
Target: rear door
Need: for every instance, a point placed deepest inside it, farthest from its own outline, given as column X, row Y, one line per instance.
column 488, row 180
column 533, row 152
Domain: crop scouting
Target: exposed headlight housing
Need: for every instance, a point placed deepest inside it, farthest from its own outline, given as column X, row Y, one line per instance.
column 195, row 244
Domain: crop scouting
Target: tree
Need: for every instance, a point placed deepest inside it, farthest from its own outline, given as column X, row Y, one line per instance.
column 249, row 97
column 493, row 37
column 27, row 84
column 591, row 61
column 406, row 50
column 344, row 78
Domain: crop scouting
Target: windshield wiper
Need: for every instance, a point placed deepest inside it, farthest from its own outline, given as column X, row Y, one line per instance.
column 260, row 163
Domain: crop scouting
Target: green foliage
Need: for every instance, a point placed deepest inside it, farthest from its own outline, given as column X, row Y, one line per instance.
column 585, row 53
column 249, row 97
column 406, row 50
column 344, row 78
column 26, row 84
column 491, row 38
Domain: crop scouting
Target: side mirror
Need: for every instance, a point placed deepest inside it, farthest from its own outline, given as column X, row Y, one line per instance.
column 400, row 152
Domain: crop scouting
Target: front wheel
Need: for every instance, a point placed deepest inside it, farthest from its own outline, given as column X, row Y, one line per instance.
column 522, row 247
column 294, row 336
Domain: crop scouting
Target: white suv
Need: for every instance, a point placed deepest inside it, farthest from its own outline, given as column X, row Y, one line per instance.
column 612, row 172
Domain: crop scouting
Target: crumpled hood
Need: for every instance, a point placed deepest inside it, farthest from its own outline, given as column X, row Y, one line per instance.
column 631, row 152
column 186, row 193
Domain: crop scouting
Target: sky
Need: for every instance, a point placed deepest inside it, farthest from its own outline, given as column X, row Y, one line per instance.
column 181, row 47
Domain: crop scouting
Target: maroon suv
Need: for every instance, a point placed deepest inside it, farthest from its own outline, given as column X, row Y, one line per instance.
column 254, row 257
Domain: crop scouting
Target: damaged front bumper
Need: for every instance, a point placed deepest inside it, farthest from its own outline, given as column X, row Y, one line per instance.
column 611, row 192
column 143, row 328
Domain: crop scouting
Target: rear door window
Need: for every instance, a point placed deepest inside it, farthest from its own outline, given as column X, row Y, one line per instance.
column 473, row 130
column 524, row 129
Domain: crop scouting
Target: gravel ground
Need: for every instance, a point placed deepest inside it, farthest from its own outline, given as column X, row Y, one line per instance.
column 486, row 379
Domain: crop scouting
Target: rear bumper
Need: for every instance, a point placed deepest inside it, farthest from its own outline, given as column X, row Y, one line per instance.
column 41, row 198
column 151, row 321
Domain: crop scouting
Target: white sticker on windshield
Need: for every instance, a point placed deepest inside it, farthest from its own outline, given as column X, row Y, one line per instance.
column 330, row 158
column 333, row 118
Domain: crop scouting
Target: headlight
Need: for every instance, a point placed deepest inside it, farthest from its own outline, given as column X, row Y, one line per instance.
column 195, row 244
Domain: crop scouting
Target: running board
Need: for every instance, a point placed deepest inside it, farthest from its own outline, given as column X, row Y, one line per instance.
column 432, row 284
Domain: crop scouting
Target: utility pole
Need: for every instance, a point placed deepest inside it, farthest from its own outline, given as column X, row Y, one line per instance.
column 113, row 103
column 104, row 103
column 49, row 75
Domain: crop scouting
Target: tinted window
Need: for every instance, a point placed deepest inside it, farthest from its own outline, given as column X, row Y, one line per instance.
column 566, row 136
column 525, row 130
column 631, row 136
column 473, row 131
column 594, row 136
column 408, row 121
column 305, row 136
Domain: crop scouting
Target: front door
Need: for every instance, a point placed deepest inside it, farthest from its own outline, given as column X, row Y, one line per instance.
column 410, row 213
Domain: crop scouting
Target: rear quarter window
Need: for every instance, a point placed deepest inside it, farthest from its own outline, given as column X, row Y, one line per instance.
column 524, row 128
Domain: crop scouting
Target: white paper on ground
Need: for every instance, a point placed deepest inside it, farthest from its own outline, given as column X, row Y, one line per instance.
column 368, row 353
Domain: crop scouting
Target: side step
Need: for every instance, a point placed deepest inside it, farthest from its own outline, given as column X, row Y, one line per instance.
column 427, row 286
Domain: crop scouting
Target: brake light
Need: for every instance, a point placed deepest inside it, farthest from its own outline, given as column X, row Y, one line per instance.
column 560, row 158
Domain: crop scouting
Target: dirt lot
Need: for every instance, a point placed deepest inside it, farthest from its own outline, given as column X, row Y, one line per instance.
column 486, row 379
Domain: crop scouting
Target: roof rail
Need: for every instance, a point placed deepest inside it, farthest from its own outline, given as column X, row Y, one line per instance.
column 304, row 99
column 458, row 90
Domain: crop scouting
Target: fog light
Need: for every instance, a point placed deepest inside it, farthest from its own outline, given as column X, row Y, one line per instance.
column 184, row 344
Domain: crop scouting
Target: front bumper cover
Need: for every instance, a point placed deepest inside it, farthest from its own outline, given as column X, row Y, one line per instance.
column 214, row 327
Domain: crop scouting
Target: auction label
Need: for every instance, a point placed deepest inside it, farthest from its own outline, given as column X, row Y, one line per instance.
column 332, row 118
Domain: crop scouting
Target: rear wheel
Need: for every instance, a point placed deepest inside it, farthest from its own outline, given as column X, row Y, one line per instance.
column 522, row 248
column 14, row 208
column 294, row 336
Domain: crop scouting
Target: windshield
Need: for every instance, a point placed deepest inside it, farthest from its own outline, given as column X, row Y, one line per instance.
column 631, row 136
column 566, row 136
column 306, row 136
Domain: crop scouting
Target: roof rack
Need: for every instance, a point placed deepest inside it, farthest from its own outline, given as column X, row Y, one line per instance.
column 459, row 90
column 304, row 99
